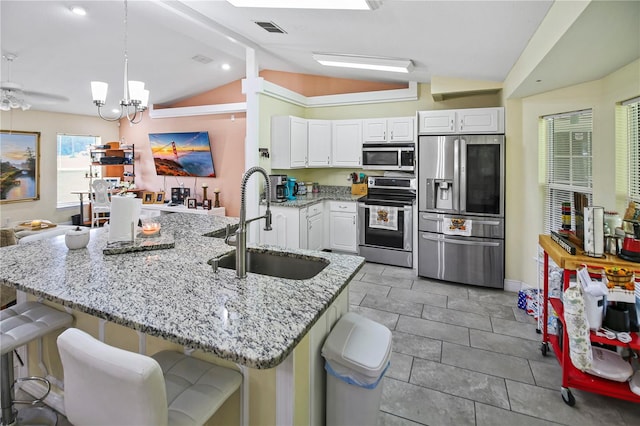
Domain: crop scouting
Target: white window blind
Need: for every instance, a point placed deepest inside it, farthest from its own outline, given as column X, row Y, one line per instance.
column 633, row 136
column 569, row 159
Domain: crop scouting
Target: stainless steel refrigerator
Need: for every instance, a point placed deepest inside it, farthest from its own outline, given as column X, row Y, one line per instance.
column 461, row 208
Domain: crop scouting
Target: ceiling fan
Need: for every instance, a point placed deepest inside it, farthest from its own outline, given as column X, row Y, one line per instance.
column 13, row 96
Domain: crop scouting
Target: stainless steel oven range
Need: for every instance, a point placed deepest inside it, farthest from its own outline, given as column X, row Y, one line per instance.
column 385, row 221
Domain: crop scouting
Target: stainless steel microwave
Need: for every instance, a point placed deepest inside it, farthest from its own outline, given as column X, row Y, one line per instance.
column 387, row 156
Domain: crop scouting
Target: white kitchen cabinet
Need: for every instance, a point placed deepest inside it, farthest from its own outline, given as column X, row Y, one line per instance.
column 343, row 226
column 471, row 120
column 315, row 227
column 289, row 136
column 285, row 227
column 399, row 129
column 346, row 143
column 294, row 227
column 437, row 122
column 319, row 143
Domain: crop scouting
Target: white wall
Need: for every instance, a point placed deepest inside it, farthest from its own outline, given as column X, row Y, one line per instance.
column 49, row 125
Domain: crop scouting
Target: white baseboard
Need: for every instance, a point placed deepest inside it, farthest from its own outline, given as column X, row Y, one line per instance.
column 513, row 285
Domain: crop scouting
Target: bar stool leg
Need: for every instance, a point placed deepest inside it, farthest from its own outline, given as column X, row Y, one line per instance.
column 8, row 415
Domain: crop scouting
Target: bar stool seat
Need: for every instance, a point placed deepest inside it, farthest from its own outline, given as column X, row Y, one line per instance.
column 19, row 325
column 105, row 385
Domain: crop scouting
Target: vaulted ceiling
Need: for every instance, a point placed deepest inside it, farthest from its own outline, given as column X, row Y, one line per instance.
column 178, row 47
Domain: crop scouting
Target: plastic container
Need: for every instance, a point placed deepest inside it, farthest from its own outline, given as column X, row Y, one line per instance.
column 593, row 306
column 357, row 354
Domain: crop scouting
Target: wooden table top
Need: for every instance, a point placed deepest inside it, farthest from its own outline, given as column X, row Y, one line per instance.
column 572, row 262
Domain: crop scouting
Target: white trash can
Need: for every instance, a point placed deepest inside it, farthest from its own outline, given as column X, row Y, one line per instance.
column 356, row 354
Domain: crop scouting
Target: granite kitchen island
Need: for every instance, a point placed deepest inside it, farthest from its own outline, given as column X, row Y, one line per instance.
column 271, row 328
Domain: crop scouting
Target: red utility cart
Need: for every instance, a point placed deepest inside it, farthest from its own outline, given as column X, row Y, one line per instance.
column 571, row 376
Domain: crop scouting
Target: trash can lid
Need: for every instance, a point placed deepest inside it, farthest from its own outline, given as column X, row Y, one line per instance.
column 359, row 343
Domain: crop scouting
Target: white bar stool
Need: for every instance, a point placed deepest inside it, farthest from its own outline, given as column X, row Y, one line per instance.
column 19, row 325
column 104, row 385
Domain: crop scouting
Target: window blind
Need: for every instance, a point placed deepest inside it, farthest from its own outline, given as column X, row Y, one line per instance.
column 633, row 152
column 569, row 160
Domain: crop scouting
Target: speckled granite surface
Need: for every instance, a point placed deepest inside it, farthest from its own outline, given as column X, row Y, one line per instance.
column 173, row 293
column 335, row 193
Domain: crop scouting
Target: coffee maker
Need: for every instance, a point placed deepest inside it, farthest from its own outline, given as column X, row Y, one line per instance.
column 278, row 184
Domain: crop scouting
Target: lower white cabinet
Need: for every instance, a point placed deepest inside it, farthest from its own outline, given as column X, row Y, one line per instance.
column 286, row 227
column 343, row 226
column 315, row 227
column 295, row 228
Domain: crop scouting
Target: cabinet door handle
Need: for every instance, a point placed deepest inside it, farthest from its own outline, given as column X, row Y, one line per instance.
column 452, row 124
column 461, row 123
column 392, row 135
column 354, row 220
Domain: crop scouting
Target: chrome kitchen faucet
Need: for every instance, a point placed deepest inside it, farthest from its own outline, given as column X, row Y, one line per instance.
column 241, row 234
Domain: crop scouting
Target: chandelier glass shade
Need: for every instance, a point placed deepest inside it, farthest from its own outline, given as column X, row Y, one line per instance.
column 135, row 98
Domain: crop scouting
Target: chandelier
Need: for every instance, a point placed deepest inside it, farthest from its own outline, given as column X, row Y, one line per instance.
column 135, row 98
column 11, row 94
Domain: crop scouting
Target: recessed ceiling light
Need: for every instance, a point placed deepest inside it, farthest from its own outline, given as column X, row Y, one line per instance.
column 364, row 62
column 226, row 67
column 306, row 4
column 78, row 10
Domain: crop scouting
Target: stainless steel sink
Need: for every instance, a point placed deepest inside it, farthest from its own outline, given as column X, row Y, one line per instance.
column 276, row 264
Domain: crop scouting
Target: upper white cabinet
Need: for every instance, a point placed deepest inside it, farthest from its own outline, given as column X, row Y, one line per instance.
column 471, row 120
column 289, row 137
column 399, row 129
column 346, row 143
column 319, row 143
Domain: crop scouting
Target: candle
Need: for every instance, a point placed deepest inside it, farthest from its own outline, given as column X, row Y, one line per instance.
column 204, row 185
column 150, row 228
column 216, row 190
column 36, row 223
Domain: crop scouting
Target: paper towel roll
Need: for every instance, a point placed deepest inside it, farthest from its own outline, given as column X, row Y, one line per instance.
column 594, row 231
column 125, row 213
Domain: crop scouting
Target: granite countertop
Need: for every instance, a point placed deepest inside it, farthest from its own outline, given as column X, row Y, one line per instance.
column 337, row 193
column 173, row 293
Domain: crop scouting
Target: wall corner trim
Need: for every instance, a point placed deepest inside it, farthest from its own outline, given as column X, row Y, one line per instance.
column 394, row 95
column 230, row 108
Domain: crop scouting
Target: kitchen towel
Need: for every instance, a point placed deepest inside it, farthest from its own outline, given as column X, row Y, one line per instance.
column 453, row 226
column 383, row 217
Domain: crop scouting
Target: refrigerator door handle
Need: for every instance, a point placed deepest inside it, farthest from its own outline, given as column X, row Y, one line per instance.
column 487, row 222
column 456, row 175
column 463, row 176
column 464, row 242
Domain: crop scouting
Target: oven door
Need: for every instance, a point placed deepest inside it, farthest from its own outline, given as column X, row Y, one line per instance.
column 399, row 239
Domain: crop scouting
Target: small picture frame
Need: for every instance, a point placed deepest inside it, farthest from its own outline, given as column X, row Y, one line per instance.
column 206, row 204
column 148, row 197
column 191, row 203
column 159, row 198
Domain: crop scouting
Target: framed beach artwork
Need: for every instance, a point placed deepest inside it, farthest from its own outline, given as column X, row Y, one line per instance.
column 19, row 166
column 182, row 154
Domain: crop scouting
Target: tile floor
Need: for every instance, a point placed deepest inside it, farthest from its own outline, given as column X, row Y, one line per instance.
column 464, row 355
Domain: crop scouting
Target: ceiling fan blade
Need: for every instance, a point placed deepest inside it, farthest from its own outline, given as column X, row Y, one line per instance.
column 39, row 97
